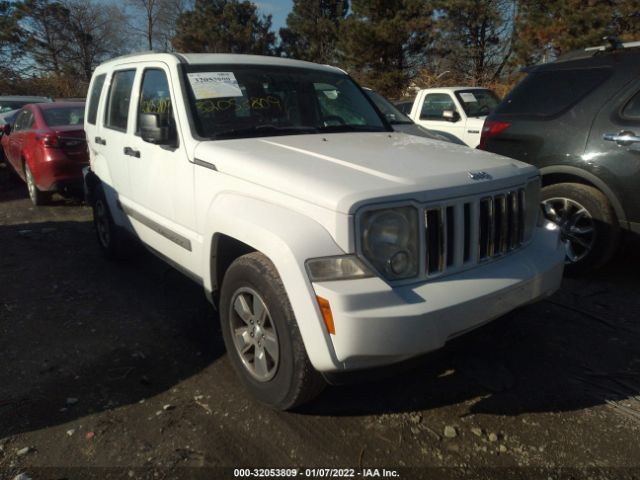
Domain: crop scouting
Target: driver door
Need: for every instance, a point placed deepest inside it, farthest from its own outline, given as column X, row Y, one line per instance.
column 162, row 193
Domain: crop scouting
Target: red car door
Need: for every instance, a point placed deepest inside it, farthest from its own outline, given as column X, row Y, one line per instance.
column 24, row 121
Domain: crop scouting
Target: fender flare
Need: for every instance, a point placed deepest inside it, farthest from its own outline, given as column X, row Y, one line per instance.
column 592, row 179
column 288, row 239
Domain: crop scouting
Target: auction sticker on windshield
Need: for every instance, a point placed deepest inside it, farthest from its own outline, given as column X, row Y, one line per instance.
column 214, row 85
column 468, row 97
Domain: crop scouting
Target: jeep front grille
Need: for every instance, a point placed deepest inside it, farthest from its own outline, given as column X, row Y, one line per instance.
column 473, row 231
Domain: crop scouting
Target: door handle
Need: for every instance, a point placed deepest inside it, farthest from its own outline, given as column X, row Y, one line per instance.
column 624, row 138
column 131, row 152
column 100, row 141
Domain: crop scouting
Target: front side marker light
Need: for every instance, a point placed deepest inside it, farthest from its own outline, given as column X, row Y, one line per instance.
column 344, row 267
column 327, row 316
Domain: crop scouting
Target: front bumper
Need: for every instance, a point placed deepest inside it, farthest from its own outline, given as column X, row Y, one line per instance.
column 378, row 325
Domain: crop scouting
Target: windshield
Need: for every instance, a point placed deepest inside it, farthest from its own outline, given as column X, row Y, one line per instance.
column 477, row 102
column 239, row 101
column 394, row 116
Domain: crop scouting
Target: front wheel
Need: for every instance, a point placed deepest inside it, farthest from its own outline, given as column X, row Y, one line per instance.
column 262, row 337
column 588, row 225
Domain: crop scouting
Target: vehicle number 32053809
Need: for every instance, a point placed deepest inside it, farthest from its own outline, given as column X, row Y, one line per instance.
column 315, row 473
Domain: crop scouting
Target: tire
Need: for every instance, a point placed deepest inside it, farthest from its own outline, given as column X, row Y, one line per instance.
column 287, row 378
column 588, row 225
column 38, row 197
column 110, row 237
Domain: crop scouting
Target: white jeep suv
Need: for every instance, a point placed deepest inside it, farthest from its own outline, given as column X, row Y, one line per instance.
column 328, row 241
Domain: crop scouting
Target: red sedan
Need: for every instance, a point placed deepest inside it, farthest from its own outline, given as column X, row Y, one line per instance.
column 47, row 147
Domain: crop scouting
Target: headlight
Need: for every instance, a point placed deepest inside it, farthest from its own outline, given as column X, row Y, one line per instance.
column 390, row 241
column 532, row 207
column 345, row 267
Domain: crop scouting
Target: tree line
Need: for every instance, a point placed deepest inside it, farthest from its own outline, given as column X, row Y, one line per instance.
column 52, row 46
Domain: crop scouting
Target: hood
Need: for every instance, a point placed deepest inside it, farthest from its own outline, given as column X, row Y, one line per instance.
column 341, row 171
column 420, row 131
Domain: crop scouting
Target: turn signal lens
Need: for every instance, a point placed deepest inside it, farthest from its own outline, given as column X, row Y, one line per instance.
column 327, row 316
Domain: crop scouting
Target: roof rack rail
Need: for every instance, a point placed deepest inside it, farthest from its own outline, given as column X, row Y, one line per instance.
column 613, row 44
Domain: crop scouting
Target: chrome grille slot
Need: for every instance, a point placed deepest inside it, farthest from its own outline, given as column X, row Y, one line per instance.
column 502, row 225
column 450, row 226
column 466, row 256
column 513, row 201
column 436, row 240
column 486, row 228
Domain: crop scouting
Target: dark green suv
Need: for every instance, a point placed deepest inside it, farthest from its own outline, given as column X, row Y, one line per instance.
column 578, row 120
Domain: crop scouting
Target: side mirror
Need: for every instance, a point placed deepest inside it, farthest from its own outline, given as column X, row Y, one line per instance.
column 391, row 117
column 451, row 115
column 6, row 129
column 155, row 128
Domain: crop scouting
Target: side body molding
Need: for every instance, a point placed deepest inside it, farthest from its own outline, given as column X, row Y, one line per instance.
column 288, row 239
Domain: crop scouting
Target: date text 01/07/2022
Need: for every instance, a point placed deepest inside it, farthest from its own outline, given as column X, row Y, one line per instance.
column 315, row 472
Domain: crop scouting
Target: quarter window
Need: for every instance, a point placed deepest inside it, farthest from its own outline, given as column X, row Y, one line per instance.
column 119, row 99
column 436, row 103
column 94, row 98
column 632, row 108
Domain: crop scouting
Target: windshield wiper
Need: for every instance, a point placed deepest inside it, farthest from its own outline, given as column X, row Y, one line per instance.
column 264, row 130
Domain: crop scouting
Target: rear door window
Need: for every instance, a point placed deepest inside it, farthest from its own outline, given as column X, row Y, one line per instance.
column 551, row 92
column 117, row 112
column 24, row 121
column 94, row 98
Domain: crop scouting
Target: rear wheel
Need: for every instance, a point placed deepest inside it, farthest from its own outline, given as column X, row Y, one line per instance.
column 38, row 197
column 588, row 225
column 111, row 239
column 262, row 337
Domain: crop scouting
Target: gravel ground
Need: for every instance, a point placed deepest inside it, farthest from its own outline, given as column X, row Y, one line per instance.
column 114, row 370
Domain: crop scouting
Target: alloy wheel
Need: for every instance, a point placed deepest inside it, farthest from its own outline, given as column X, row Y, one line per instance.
column 102, row 223
column 31, row 184
column 254, row 334
column 577, row 229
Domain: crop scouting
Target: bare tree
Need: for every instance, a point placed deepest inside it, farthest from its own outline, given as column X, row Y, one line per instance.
column 95, row 32
column 155, row 20
column 66, row 39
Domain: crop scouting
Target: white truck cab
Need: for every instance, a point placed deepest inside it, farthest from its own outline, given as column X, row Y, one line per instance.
column 459, row 111
column 327, row 241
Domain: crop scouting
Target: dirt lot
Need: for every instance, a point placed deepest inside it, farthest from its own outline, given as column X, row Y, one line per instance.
column 122, row 365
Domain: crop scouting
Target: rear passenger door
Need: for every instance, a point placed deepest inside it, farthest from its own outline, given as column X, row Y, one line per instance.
column 24, row 121
column 614, row 144
column 114, row 130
